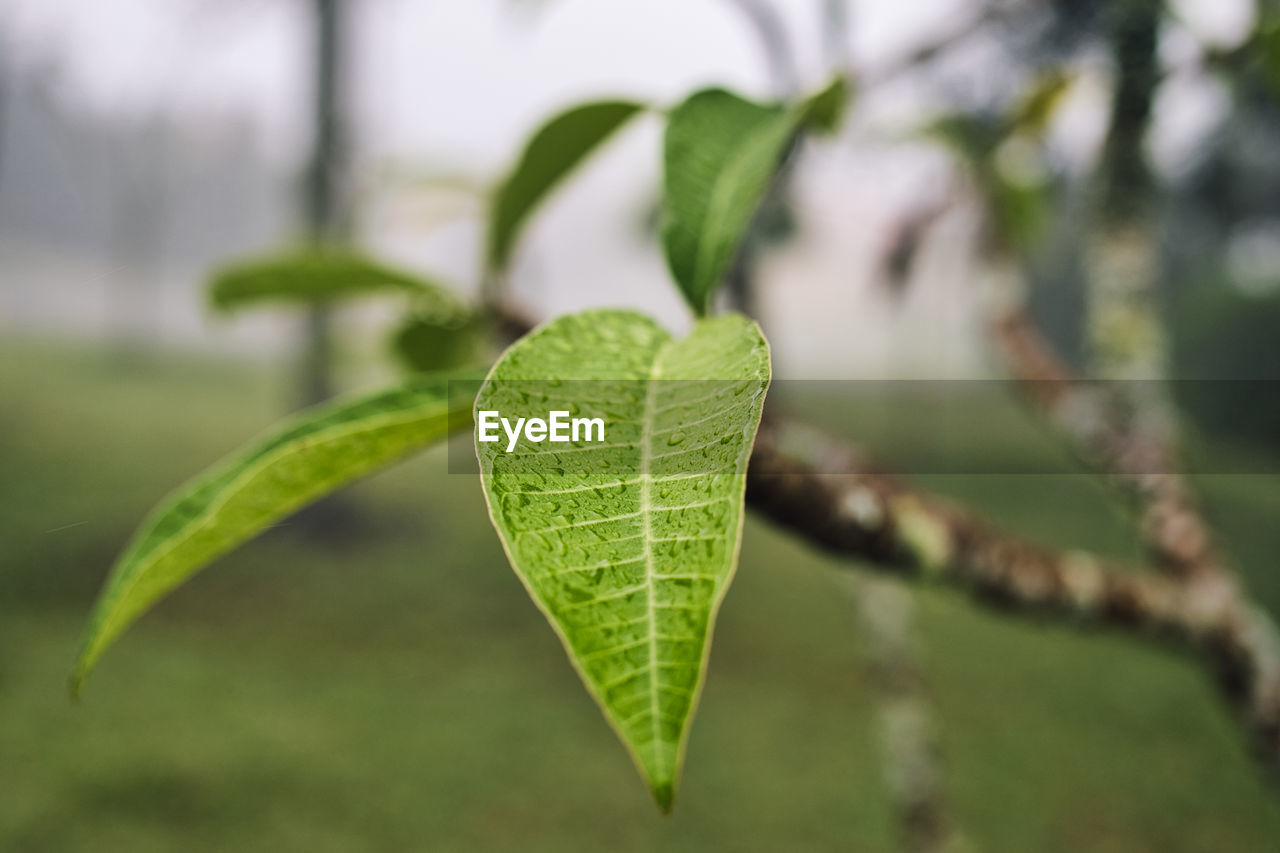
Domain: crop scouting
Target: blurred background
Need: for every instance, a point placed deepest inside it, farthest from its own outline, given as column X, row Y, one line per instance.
column 1110, row 162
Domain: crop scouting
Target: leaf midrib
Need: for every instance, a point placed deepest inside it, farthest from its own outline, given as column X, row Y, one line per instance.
column 646, row 513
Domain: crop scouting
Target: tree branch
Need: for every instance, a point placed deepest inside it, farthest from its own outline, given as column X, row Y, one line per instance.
column 823, row 491
column 1136, row 452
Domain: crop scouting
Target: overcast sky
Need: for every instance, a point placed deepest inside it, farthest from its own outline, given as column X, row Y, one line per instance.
column 460, row 83
column 432, row 75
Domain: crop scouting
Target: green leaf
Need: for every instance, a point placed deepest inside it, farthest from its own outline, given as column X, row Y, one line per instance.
column 720, row 155
column 552, row 153
column 628, row 545
column 316, row 275
column 825, row 111
column 309, row 457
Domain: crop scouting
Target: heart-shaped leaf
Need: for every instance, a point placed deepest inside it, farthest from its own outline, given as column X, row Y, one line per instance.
column 310, row 457
column 627, row 539
column 553, row 152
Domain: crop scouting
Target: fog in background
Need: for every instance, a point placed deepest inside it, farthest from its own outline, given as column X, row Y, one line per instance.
column 143, row 141
column 368, row 674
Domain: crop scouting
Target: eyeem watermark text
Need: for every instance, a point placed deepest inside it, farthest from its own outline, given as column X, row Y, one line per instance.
column 557, row 427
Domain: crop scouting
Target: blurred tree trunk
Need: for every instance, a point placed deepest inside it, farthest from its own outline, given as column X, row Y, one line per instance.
column 324, row 202
column 325, row 178
column 136, row 234
column 1133, row 34
column 1125, row 319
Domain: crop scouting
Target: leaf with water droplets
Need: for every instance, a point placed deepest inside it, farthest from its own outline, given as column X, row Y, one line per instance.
column 627, row 540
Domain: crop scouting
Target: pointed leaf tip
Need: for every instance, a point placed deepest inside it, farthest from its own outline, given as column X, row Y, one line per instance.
column 665, row 796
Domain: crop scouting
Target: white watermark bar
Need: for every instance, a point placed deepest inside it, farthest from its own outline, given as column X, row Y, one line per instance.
column 910, row 427
column 558, row 428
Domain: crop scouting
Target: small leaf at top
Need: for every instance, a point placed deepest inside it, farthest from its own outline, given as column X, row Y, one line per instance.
column 720, row 155
column 314, row 275
column 627, row 540
column 314, row 454
column 825, row 110
column 553, row 152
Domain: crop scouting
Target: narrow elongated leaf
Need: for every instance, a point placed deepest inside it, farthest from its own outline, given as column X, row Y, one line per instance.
column 628, row 541
column 552, row 153
column 720, row 154
column 294, row 465
column 318, row 275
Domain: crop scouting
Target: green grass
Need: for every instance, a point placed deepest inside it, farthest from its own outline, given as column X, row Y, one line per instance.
column 398, row 691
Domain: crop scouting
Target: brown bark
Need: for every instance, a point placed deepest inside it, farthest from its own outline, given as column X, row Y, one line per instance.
column 1134, row 451
column 824, row 492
